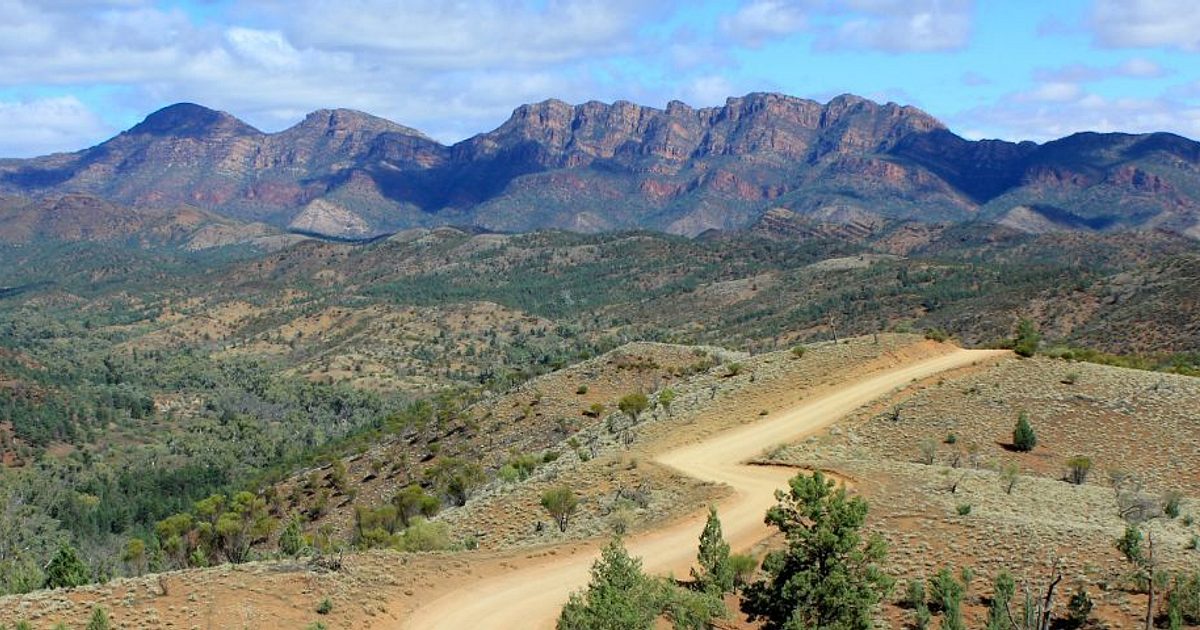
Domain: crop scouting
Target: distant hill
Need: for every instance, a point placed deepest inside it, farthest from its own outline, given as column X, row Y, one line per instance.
column 599, row 167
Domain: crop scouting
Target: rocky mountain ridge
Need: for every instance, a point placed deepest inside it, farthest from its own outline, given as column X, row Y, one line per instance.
column 597, row 167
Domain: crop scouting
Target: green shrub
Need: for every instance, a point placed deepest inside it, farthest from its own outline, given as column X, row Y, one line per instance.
column 743, row 566
column 1024, row 439
column 1079, row 609
column 561, row 503
column 963, row 509
column 99, row 620
column 1078, row 468
column 66, row 569
column 1028, row 339
column 423, row 535
column 936, row 334
column 581, row 390
column 797, row 351
column 325, row 606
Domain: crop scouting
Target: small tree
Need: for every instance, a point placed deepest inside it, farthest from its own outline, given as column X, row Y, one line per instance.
column 1079, row 609
column 619, row 595
column 1028, row 339
column 1143, row 561
column 1003, row 589
column 828, row 576
column 291, row 539
column 134, row 555
column 247, row 522
column 633, row 405
column 561, row 503
column 66, row 569
column 99, row 620
column 1024, row 439
column 1078, row 468
column 947, row 594
column 1009, row 475
column 665, row 398
column 716, row 572
column 414, row 501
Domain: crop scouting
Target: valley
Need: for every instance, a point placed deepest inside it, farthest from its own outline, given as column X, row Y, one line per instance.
column 339, row 375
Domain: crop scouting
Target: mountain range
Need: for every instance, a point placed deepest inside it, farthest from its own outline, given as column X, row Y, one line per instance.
column 194, row 175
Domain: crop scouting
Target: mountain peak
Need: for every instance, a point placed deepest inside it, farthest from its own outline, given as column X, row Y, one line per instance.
column 187, row 120
column 341, row 121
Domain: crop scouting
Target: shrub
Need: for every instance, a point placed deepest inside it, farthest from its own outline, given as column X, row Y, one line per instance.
column 733, row 369
column 1024, row 439
column 1027, row 340
column 1009, row 475
column 928, row 448
column 963, row 509
column 561, row 503
column 743, row 567
column 99, row 619
column 936, row 334
column 1078, row 468
column 66, row 569
column 951, row 438
column 581, row 390
column 665, row 398
column 325, row 607
column 423, row 535
column 797, row 351
column 1170, row 503
column 633, row 405
column 1079, row 609
column 619, row 595
column 822, row 526
column 291, row 540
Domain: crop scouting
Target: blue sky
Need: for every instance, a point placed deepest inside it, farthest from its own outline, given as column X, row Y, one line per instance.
column 74, row 72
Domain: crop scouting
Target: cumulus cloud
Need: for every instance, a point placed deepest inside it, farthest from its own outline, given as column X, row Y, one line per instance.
column 1146, row 24
column 446, row 68
column 47, row 124
column 758, row 21
column 903, row 26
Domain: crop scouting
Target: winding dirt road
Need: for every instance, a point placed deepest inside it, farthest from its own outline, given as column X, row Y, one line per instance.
column 531, row 597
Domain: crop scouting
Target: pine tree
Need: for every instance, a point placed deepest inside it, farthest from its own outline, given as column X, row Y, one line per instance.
column 619, row 596
column 828, row 576
column 66, row 569
column 99, row 620
column 1024, row 438
column 716, row 572
column 291, row 539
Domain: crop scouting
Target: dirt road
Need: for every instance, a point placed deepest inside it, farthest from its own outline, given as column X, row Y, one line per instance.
column 531, row 596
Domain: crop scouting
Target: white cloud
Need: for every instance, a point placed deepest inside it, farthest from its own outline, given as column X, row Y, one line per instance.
column 1135, row 68
column 1018, row 117
column 760, row 20
column 447, row 68
column 888, row 25
column 1055, row 92
column 268, row 49
column 708, row 91
column 48, row 124
column 1146, row 24
column 903, row 26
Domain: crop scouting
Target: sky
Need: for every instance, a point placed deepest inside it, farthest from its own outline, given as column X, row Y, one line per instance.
column 75, row 72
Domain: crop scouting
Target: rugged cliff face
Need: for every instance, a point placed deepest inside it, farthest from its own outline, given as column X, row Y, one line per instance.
column 599, row 166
